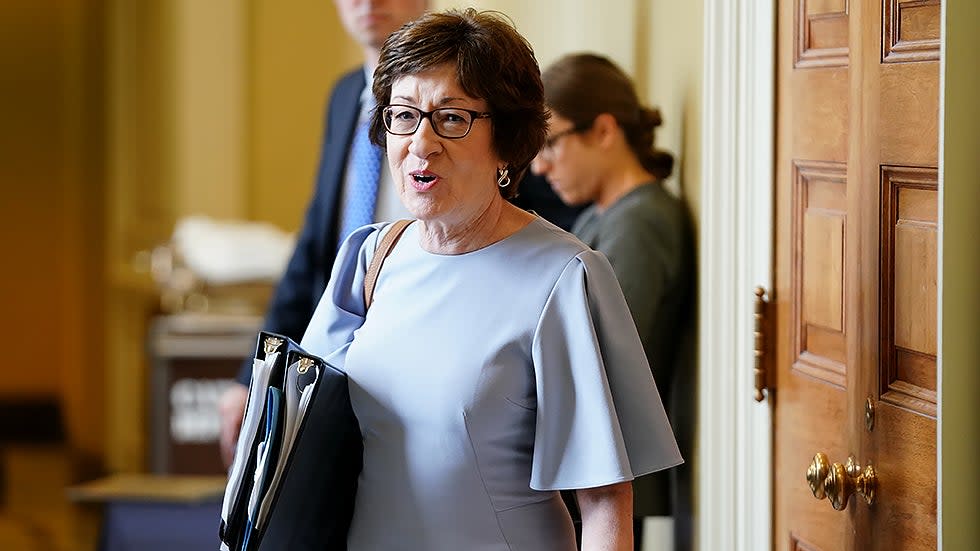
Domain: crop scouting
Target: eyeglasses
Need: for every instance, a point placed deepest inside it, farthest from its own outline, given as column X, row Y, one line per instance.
column 449, row 122
column 551, row 141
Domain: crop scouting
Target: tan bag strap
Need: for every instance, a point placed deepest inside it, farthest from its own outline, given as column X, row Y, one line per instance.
column 380, row 254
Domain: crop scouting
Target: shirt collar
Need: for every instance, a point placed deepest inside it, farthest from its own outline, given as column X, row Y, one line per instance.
column 367, row 97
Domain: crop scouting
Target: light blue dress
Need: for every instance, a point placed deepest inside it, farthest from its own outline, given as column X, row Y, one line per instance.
column 484, row 383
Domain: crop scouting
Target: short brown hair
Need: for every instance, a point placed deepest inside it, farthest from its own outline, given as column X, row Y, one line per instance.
column 493, row 63
column 582, row 86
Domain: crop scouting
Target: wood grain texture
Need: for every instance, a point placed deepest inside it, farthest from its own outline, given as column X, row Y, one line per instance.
column 871, row 127
column 797, row 544
column 909, row 293
column 810, row 401
column 819, row 218
column 911, row 30
column 821, row 33
column 896, row 111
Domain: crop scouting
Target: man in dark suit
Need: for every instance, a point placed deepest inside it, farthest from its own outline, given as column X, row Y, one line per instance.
column 305, row 279
column 333, row 211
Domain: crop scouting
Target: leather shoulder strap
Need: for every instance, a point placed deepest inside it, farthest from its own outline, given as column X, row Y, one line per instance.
column 380, row 254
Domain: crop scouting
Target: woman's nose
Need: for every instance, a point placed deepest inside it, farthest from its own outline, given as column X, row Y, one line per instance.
column 425, row 141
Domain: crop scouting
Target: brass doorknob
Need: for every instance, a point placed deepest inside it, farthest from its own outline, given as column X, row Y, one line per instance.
column 844, row 480
column 816, row 473
column 839, row 482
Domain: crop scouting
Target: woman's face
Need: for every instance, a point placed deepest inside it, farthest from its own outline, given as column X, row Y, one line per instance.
column 570, row 162
column 442, row 180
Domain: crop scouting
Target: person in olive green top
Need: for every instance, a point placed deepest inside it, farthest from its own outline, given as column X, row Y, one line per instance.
column 600, row 150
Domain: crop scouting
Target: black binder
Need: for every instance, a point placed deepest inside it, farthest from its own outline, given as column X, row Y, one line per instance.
column 294, row 477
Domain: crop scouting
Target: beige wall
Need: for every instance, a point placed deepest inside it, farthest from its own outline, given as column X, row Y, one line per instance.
column 210, row 64
column 296, row 51
column 960, row 321
column 672, row 76
column 242, row 89
column 556, row 27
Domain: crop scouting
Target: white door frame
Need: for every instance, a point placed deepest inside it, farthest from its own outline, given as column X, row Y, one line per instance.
column 734, row 509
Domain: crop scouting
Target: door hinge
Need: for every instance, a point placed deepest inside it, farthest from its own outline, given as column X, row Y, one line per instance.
column 760, row 369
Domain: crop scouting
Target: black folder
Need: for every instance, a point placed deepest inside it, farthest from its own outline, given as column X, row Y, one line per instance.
column 294, row 477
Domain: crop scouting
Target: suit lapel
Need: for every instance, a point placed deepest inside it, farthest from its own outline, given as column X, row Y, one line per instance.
column 341, row 120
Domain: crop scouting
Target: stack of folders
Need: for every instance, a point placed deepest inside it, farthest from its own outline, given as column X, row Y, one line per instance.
column 294, row 476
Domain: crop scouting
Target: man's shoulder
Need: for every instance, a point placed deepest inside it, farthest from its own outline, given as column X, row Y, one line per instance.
column 351, row 82
column 344, row 97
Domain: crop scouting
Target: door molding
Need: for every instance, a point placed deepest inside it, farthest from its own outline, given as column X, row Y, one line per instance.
column 735, row 441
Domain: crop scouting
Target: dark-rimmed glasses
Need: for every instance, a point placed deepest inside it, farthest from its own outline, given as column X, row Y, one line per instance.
column 551, row 141
column 449, row 122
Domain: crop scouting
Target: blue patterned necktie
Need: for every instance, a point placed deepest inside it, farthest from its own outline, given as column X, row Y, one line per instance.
column 361, row 195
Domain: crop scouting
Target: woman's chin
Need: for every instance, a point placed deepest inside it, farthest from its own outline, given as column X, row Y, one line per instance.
column 570, row 199
column 420, row 208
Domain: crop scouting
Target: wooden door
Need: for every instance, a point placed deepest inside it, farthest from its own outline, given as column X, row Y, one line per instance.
column 856, row 243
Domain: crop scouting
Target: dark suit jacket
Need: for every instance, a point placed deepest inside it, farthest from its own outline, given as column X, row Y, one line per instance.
column 306, row 276
column 308, row 271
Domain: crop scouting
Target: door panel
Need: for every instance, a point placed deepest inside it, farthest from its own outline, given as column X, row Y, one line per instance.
column 856, row 267
column 909, row 239
column 818, row 238
column 811, row 400
column 899, row 213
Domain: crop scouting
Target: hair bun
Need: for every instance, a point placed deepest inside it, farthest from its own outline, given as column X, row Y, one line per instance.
column 651, row 116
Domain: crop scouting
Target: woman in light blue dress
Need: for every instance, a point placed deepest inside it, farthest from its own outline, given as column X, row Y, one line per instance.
column 498, row 362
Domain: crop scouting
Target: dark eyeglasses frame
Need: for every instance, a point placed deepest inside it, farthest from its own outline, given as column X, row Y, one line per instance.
column 428, row 115
column 551, row 141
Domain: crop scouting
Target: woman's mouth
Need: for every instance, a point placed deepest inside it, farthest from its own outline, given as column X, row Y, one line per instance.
column 422, row 180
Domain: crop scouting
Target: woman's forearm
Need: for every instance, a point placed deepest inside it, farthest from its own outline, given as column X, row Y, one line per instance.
column 607, row 517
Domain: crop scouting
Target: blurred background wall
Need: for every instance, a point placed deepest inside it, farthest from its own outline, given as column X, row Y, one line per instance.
column 52, row 289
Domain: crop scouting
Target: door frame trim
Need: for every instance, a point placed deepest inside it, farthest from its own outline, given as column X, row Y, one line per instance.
column 734, row 462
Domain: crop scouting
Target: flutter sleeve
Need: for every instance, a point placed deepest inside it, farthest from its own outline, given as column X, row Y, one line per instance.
column 599, row 416
column 340, row 311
